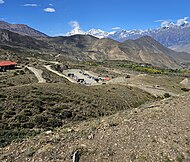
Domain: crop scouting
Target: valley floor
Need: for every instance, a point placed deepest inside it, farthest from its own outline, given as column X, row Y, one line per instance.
column 154, row 132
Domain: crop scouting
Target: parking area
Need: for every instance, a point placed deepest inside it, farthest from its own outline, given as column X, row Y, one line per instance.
column 83, row 77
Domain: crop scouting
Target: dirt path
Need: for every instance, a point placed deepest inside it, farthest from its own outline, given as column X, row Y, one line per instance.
column 153, row 90
column 52, row 62
column 38, row 74
column 135, row 82
column 48, row 67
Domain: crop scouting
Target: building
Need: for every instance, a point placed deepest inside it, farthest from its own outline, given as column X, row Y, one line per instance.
column 107, row 79
column 7, row 65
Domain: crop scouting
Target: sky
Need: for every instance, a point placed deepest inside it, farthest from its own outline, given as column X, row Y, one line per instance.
column 54, row 17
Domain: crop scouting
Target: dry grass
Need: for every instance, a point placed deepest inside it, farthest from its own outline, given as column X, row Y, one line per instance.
column 47, row 106
column 16, row 77
column 155, row 131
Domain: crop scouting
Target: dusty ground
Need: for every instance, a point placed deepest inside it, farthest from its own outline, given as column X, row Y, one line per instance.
column 155, row 85
column 155, row 132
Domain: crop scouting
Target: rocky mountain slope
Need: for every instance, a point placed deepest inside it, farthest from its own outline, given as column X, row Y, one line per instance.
column 21, row 29
column 150, row 45
column 14, row 39
column 181, row 47
column 143, row 50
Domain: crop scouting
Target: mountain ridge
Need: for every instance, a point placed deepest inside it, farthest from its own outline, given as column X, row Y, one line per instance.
column 11, row 38
column 87, row 47
column 21, row 29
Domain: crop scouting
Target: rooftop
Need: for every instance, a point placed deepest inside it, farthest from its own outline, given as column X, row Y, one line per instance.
column 7, row 63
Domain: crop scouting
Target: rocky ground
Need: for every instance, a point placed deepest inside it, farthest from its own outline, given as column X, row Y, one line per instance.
column 155, row 132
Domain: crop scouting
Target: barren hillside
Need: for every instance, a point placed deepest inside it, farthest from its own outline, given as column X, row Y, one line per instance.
column 157, row 131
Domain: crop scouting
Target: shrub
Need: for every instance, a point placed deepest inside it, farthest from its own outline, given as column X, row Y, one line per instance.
column 167, row 95
column 39, row 120
column 7, row 136
column 8, row 114
column 28, row 125
column 26, row 112
column 185, row 89
column 21, row 72
column 53, row 122
column 30, row 152
column 65, row 114
column 22, row 118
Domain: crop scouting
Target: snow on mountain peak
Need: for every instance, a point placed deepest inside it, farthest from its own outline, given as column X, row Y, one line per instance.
column 183, row 22
column 97, row 33
column 122, row 35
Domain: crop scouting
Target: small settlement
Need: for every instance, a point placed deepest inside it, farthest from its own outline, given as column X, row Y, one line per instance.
column 7, row 65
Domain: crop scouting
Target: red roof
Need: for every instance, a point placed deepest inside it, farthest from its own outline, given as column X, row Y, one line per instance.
column 7, row 63
column 106, row 78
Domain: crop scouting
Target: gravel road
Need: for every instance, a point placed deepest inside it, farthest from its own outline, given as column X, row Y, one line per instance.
column 38, row 74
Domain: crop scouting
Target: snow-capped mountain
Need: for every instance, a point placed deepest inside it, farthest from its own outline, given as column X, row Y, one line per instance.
column 98, row 33
column 94, row 32
column 175, row 35
column 164, row 30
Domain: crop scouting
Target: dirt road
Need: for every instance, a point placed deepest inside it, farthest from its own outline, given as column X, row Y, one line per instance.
column 48, row 67
column 38, row 74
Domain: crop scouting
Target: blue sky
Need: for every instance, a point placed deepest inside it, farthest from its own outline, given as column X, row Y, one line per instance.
column 103, row 14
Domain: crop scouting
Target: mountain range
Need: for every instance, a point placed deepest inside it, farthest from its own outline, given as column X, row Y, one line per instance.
column 87, row 47
column 174, row 36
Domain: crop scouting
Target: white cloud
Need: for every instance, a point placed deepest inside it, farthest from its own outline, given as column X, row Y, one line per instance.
column 74, row 24
column 166, row 23
column 182, row 22
column 158, row 21
column 76, row 28
column 50, row 4
column 31, row 5
column 116, row 28
column 2, row 1
column 169, row 23
column 3, row 19
column 49, row 10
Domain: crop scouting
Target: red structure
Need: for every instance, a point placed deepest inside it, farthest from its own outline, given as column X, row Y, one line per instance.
column 107, row 79
column 7, row 65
